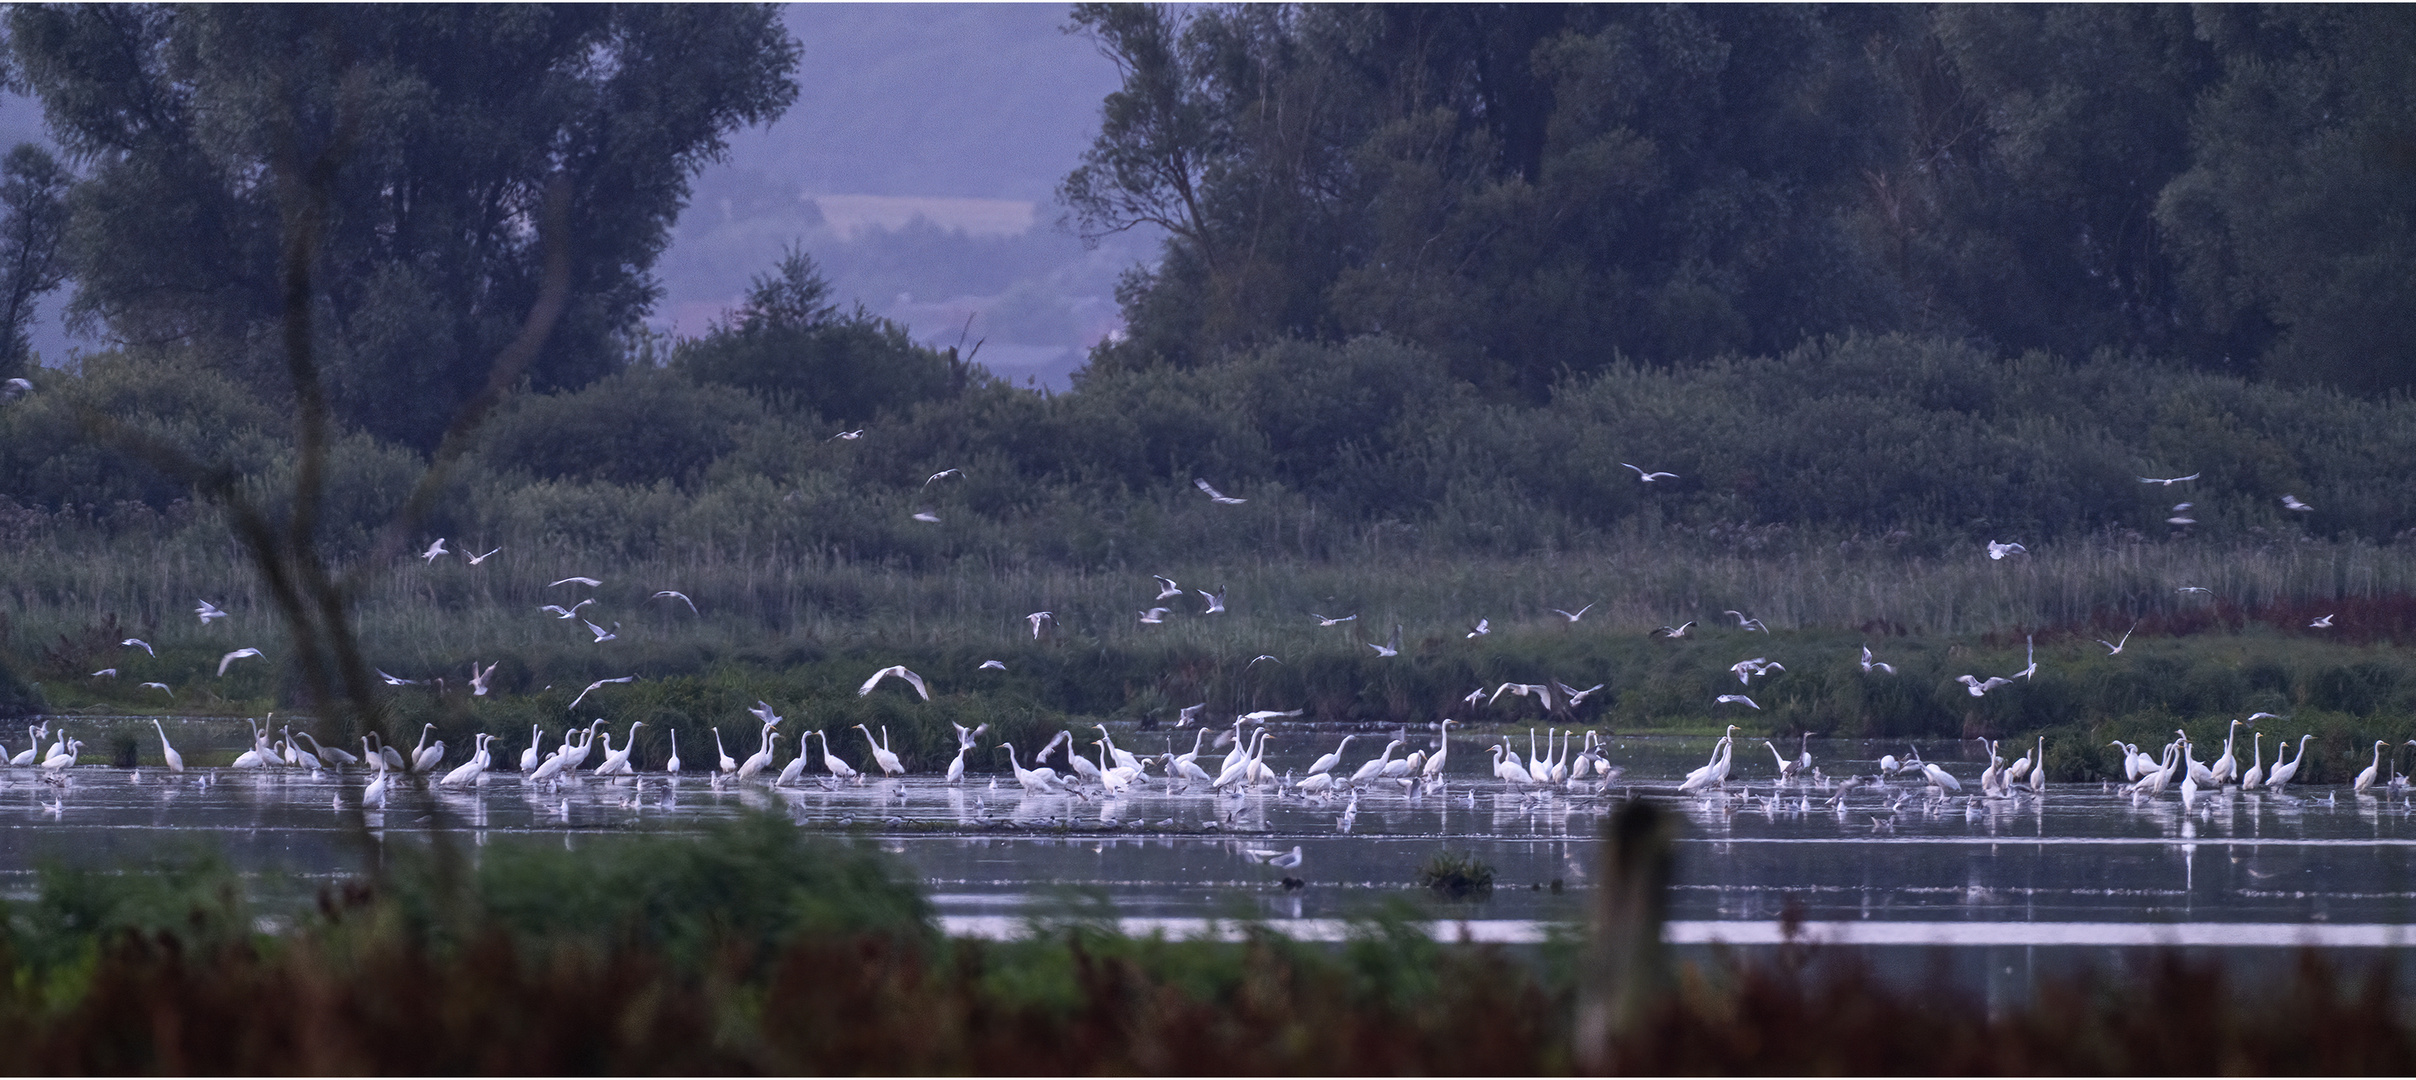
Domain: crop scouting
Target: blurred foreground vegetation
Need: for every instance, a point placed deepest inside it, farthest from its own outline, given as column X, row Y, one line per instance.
column 757, row 949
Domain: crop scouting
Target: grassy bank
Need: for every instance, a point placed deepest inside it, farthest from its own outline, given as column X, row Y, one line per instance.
column 758, row 950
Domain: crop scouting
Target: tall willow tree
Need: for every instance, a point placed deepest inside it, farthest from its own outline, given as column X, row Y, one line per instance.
column 448, row 125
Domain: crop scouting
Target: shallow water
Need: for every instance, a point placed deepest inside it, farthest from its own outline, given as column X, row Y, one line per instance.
column 2082, row 856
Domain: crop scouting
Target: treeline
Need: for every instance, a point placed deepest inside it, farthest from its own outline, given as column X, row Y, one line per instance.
column 1893, row 444
column 1529, row 191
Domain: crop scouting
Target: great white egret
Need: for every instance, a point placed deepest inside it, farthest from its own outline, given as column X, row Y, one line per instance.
column 671, row 766
column 831, row 761
column 2254, row 778
column 881, row 755
column 176, row 761
column 2365, row 779
column 2284, row 771
column 898, row 670
column 1375, row 766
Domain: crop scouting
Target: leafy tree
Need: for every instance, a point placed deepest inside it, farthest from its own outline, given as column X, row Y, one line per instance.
column 792, row 346
column 442, row 128
column 33, row 213
column 2298, row 214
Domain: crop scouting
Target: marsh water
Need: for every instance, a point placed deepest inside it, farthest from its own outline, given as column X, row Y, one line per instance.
column 2087, row 865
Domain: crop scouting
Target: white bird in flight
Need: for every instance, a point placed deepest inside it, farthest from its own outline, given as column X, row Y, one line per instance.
column 1999, row 551
column 1216, row 601
column 594, row 686
column 1735, row 699
column 1215, row 495
column 926, row 515
column 395, row 680
column 1677, row 631
column 1977, row 688
column 942, row 475
column 146, row 646
column 1482, row 627
column 602, row 635
column 1038, row 617
column 434, row 550
column 900, row 671
column 572, row 611
column 850, row 436
column 1745, row 670
column 2167, row 483
column 675, row 594
column 1649, row 477
column 161, row 687
column 230, row 658
column 587, row 581
column 991, row 665
column 2114, row 648
column 1744, row 623
column 478, row 679
column 1393, row 648
column 1323, row 620
column 105, row 673
column 476, row 559
column 1573, row 616
column 208, row 611
column 1155, row 615
column 2324, row 622
column 1868, row 664
column 2292, row 502
column 1166, row 587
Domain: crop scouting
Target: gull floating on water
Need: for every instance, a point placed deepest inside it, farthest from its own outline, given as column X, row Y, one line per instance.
column 1215, row 495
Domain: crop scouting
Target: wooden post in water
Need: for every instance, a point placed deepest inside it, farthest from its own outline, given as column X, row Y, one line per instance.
column 1626, row 968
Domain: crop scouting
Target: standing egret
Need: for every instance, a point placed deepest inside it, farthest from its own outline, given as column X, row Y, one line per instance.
column 2225, row 767
column 728, row 764
column 1034, row 781
column 176, row 761
column 617, row 761
column 831, row 761
column 1330, row 760
column 2284, row 771
column 535, row 751
column 671, row 767
column 2038, row 768
column 2365, row 779
column 1375, row 766
column 881, row 755
column 2254, row 778
column 760, row 758
column 1434, row 765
